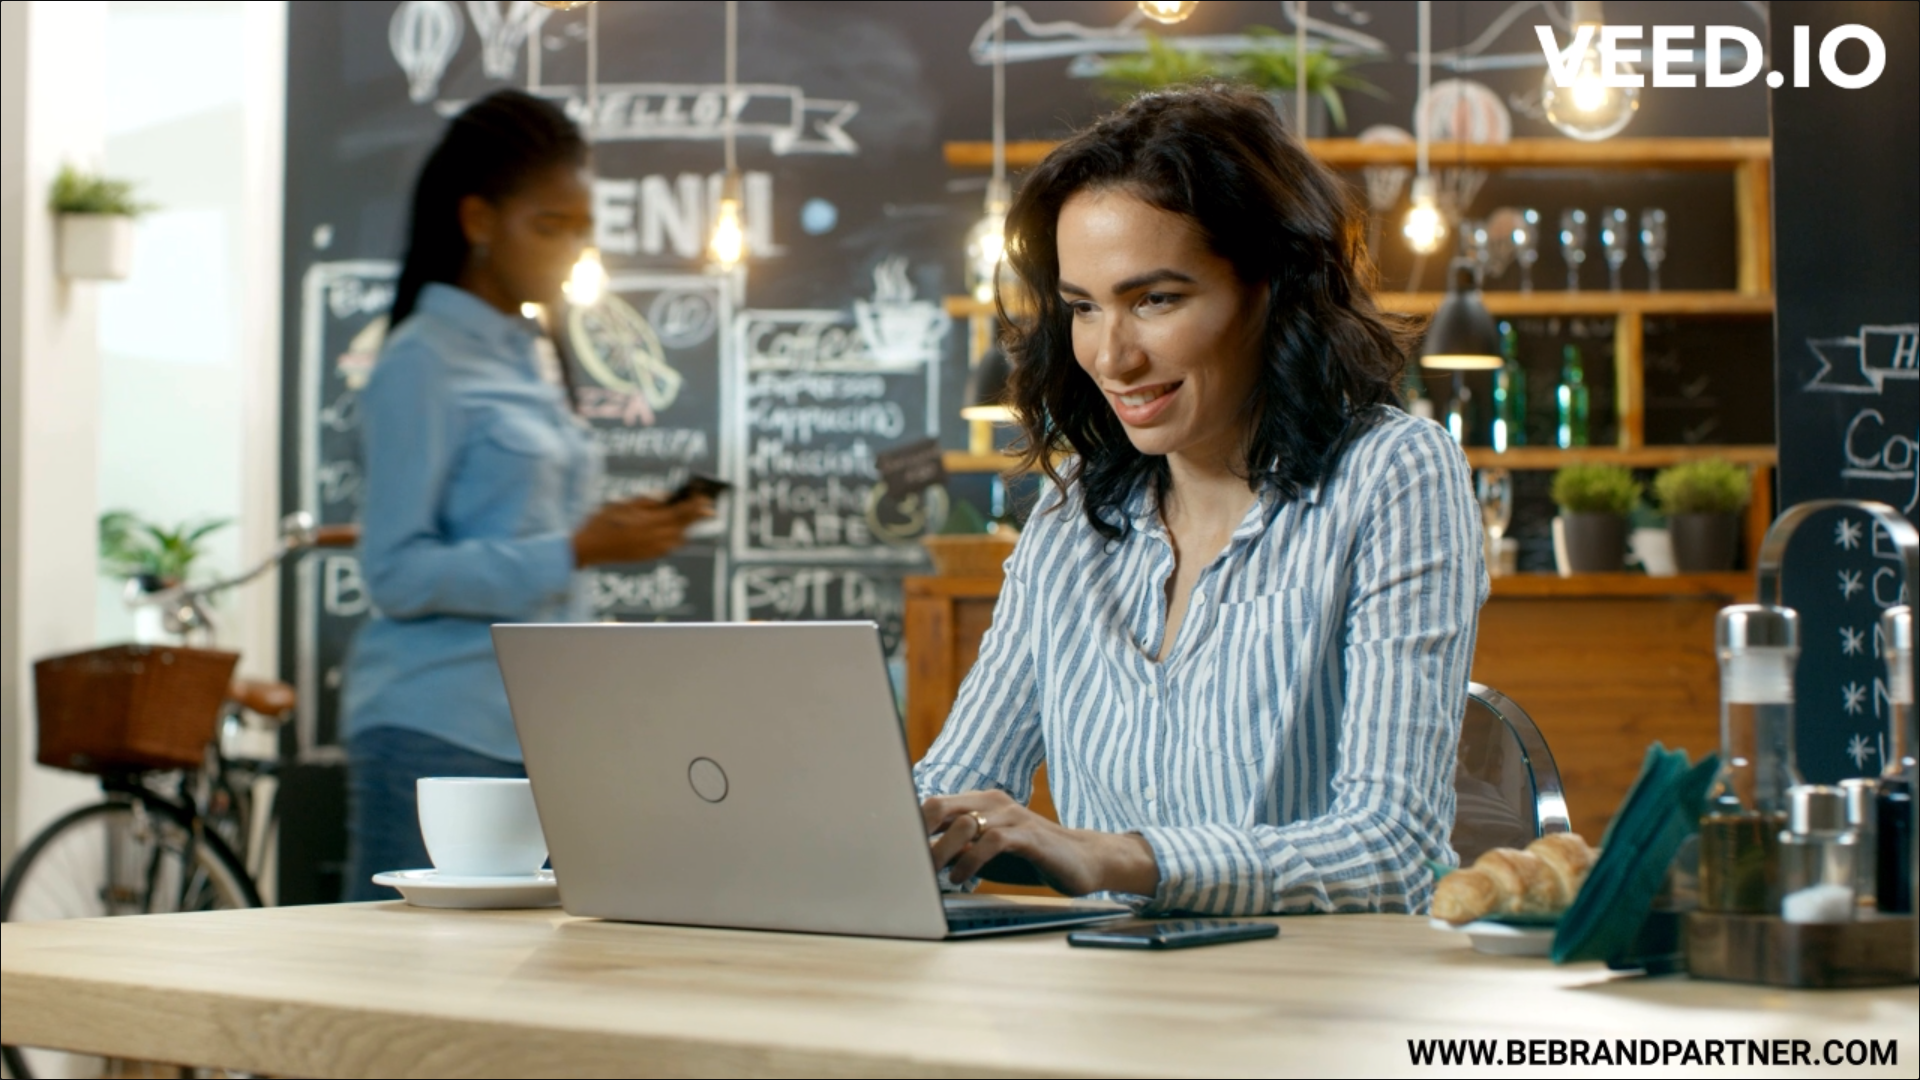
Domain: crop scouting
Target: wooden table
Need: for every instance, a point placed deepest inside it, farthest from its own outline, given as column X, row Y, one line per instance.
column 388, row 990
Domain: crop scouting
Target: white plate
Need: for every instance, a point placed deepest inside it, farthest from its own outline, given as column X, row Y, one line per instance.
column 431, row 888
column 1501, row 939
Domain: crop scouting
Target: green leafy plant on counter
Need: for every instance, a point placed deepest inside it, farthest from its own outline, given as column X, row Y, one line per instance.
column 964, row 520
column 1712, row 486
column 132, row 547
column 76, row 192
column 1596, row 489
column 1271, row 67
column 1268, row 66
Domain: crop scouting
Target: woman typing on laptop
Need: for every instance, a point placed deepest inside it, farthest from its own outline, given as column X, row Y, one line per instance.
column 1238, row 630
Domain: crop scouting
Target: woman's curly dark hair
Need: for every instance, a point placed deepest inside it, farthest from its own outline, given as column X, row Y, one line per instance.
column 1221, row 158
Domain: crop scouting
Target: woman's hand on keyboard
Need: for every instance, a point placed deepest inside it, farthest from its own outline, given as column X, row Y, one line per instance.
column 971, row 828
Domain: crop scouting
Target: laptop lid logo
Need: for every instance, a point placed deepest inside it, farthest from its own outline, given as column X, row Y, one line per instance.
column 708, row 779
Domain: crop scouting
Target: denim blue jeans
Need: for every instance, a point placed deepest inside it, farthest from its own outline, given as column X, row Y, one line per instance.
column 383, row 818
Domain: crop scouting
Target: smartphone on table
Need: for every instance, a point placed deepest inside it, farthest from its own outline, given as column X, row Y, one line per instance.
column 1173, row 934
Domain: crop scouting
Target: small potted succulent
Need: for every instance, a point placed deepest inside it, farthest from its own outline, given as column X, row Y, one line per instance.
column 1702, row 501
column 1594, row 502
column 96, row 224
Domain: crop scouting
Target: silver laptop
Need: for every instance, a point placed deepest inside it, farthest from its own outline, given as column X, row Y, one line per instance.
column 737, row 775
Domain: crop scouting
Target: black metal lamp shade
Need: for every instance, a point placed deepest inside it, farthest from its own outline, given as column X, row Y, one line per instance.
column 987, row 388
column 1461, row 336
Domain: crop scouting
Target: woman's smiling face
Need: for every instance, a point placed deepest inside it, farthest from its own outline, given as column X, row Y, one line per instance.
column 1164, row 327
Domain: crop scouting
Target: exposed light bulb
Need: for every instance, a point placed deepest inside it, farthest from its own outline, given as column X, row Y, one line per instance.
column 1588, row 109
column 987, row 243
column 530, row 310
column 563, row 5
column 588, row 281
column 1424, row 227
column 1168, row 11
column 728, row 245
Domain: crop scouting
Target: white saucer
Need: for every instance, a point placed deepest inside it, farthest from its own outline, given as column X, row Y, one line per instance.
column 1504, row 939
column 431, row 888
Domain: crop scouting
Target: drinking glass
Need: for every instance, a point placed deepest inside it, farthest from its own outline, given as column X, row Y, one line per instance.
column 1573, row 244
column 1494, row 489
column 1474, row 233
column 1617, row 241
column 1526, row 246
column 1653, row 243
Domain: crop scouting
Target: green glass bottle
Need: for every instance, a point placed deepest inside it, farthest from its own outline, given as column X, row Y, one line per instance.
column 1571, row 399
column 1509, row 394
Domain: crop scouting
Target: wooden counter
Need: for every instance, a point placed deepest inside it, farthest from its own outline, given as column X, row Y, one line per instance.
column 1605, row 664
column 388, row 990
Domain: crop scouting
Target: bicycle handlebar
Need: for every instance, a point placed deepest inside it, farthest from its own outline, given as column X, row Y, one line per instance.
column 298, row 534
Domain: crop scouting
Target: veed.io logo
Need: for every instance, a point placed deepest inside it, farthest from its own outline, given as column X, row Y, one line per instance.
column 1609, row 61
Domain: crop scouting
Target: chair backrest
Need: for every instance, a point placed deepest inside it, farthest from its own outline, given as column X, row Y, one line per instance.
column 1506, row 785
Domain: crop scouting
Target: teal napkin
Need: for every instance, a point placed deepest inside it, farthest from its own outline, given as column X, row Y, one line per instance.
column 1658, row 815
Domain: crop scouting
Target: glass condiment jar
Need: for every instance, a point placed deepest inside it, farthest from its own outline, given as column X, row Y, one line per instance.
column 1893, row 824
column 1758, row 647
column 1819, row 857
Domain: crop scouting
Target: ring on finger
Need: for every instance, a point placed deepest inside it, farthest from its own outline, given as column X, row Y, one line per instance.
column 979, row 825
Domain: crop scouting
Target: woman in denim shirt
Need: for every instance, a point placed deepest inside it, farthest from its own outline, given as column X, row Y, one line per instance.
column 480, row 481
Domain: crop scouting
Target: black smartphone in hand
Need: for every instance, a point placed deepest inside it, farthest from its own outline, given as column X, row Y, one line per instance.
column 698, row 485
column 1173, row 934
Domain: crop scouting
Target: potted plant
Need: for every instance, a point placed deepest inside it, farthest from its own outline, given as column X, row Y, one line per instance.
column 968, row 545
column 150, row 558
column 1269, row 66
column 96, row 224
column 1594, row 502
column 1702, row 501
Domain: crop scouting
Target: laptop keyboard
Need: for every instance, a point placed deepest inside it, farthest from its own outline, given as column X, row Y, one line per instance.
column 974, row 914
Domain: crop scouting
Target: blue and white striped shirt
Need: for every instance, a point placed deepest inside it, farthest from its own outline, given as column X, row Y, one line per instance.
column 1295, row 751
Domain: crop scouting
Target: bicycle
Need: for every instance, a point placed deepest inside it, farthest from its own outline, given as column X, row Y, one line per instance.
column 168, row 835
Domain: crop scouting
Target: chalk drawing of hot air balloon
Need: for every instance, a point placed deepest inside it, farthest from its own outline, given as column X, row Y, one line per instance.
column 503, row 30
column 424, row 35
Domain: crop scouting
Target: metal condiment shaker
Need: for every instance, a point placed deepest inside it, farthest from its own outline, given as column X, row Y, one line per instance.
column 1818, row 853
column 1862, row 798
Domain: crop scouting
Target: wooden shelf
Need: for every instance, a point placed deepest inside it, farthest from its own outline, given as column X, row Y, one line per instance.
column 1638, row 457
column 1593, row 303
column 1722, row 153
column 1609, row 304
column 1480, row 457
column 1733, row 586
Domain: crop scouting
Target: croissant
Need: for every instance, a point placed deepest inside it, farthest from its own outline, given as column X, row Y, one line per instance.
column 1541, row 880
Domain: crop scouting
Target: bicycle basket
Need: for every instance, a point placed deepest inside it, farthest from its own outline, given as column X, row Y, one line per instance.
column 130, row 706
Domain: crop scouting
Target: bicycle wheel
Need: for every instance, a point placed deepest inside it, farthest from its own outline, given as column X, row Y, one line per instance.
column 126, row 856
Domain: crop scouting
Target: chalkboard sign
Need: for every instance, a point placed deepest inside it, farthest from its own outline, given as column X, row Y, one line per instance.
column 1846, row 190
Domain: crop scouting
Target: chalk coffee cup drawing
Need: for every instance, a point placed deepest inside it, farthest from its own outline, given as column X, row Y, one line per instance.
column 480, row 827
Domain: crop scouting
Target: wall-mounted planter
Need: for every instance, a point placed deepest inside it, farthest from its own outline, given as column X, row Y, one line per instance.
column 96, row 247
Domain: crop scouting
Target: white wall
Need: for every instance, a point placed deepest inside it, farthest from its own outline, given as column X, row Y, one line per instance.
column 13, row 81
column 189, row 344
column 57, row 82
column 161, row 393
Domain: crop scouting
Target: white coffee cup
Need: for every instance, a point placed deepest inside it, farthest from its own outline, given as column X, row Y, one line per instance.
column 480, row 826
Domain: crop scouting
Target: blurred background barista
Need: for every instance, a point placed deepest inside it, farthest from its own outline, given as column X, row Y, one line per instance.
column 478, row 476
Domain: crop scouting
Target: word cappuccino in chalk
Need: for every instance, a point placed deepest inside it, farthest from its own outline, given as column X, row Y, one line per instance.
column 1567, row 69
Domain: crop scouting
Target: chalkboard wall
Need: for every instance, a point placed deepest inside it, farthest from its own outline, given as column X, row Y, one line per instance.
column 832, row 346
column 1846, row 172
